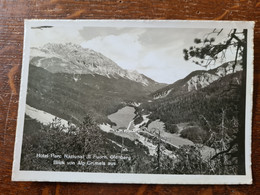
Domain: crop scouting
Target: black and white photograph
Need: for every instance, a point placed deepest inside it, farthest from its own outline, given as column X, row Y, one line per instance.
column 135, row 102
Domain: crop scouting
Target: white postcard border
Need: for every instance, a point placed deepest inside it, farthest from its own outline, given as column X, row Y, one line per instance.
column 18, row 175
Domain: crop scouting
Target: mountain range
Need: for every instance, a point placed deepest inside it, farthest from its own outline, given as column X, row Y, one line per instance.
column 74, row 59
column 71, row 82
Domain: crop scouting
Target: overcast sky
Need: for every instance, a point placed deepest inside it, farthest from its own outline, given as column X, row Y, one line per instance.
column 157, row 53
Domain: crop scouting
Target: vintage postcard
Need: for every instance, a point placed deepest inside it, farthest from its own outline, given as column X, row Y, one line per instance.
column 135, row 101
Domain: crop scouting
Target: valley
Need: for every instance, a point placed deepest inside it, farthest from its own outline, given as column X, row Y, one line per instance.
column 124, row 127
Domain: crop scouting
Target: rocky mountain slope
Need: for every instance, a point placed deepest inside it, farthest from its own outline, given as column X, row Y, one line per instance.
column 73, row 59
column 198, row 79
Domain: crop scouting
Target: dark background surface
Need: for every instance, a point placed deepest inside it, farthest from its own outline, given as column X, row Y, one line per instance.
column 12, row 15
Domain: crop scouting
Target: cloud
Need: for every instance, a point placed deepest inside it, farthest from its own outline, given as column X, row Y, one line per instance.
column 124, row 49
column 88, row 33
column 154, row 54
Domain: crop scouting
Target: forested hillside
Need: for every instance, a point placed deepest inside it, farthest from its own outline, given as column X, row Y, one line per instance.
column 198, row 106
column 61, row 95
